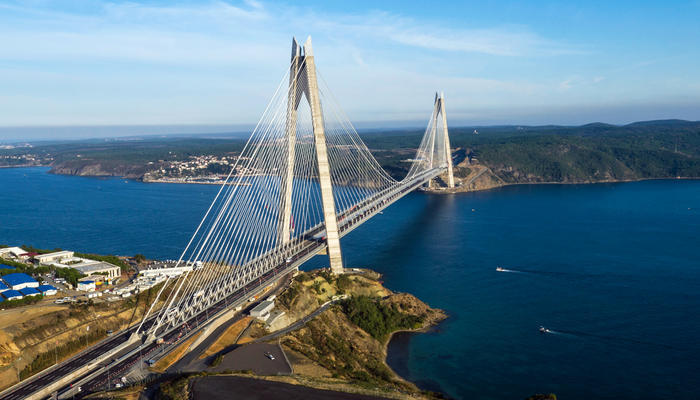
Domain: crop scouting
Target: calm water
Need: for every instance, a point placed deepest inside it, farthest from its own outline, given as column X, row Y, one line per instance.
column 613, row 269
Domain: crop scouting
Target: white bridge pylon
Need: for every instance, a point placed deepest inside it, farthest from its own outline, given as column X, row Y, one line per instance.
column 302, row 181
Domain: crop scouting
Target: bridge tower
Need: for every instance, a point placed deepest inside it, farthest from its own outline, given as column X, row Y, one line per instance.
column 302, row 80
column 440, row 113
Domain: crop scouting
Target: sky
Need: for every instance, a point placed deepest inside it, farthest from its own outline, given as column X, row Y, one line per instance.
column 212, row 64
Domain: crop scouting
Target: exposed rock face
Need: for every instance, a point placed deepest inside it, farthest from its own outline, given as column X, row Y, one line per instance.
column 90, row 168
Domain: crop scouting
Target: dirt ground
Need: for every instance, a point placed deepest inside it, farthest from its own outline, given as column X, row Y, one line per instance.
column 236, row 387
column 20, row 315
column 227, row 338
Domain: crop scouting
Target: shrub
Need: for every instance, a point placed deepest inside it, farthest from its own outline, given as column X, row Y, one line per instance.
column 376, row 318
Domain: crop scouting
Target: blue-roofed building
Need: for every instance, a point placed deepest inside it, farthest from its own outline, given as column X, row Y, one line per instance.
column 12, row 295
column 47, row 290
column 3, row 266
column 3, row 287
column 20, row 280
column 28, row 291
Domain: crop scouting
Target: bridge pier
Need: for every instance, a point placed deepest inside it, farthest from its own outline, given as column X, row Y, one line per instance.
column 302, row 79
column 439, row 113
column 440, row 105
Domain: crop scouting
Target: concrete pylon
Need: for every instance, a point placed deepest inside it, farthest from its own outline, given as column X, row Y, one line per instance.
column 287, row 183
column 303, row 80
column 440, row 109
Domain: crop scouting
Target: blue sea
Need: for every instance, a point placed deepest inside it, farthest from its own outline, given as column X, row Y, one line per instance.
column 613, row 270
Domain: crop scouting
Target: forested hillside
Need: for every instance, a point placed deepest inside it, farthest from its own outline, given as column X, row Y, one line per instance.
column 594, row 152
column 514, row 154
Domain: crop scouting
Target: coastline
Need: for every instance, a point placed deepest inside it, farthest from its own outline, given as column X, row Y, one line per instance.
column 422, row 330
column 456, row 190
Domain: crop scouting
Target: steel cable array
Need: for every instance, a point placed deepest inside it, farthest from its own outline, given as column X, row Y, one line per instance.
column 243, row 226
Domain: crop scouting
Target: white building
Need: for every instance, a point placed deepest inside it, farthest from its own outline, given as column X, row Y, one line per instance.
column 53, row 257
column 170, row 272
column 86, row 286
column 11, row 252
column 262, row 310
column 110, row 271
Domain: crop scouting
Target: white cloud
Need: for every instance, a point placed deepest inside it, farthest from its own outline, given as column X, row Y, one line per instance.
column 216, row 62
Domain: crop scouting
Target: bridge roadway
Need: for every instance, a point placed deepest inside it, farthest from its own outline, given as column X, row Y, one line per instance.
column 126, row 357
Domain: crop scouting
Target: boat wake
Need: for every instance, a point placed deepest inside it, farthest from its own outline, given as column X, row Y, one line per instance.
column 605, row 337
column 548, row 273
column 501, row 269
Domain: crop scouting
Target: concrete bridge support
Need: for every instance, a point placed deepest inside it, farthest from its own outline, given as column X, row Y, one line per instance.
column 303, row 79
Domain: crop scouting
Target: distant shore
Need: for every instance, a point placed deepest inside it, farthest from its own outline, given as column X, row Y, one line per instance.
column 436, row 190
column 462, row 190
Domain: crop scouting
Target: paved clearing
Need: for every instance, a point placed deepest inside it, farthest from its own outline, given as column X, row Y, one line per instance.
column 235, row 387
column 252, row 357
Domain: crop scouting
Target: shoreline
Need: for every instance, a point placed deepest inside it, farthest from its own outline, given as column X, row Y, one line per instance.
column 425, row 329
column 458, row 191
column 432, row 191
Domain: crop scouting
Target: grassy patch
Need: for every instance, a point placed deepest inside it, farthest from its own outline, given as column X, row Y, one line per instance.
column 377, row 319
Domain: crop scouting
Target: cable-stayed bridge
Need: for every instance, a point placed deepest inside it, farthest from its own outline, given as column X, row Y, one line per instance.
column 303, row 180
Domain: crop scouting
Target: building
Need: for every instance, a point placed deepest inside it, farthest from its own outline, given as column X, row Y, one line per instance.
column 262, row 310
column 86, row 286
column 11, row 252
column 110, row 271
column 29, row 291
column 170, row 272
column 26, row 256
column 47, row 290
column 53, row 257
column 19, row 280
column 3, row 287
column 12, row 295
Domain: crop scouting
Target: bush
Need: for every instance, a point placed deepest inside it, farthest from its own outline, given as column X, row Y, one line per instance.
column 69, row 274
column 173, row 390
column 376, row 318
column 21, row 302
column 343, row 282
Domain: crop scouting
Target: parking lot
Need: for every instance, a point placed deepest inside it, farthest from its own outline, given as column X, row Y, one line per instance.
column 261, row 358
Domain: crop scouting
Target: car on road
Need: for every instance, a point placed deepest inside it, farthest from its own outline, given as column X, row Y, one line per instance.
column 270, row 356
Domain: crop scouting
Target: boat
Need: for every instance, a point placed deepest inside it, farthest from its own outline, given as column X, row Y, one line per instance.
column 500, row 269
column 544, row 330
